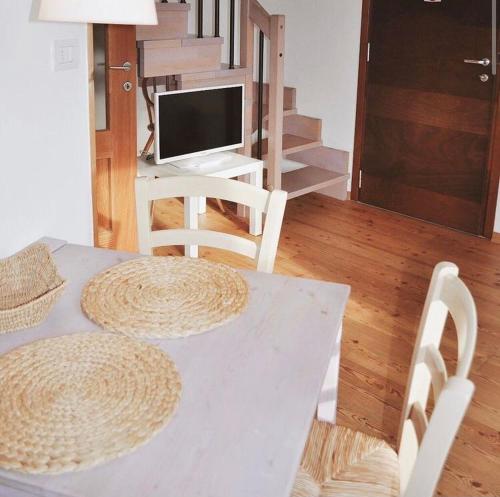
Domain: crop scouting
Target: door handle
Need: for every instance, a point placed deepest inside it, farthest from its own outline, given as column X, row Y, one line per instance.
column 125, row 67
column 483, row 62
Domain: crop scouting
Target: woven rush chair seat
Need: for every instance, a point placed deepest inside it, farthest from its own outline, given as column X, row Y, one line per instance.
column 340, row 462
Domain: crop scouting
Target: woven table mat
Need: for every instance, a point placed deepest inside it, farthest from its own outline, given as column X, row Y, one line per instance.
column 165, row 297
column 73, row 402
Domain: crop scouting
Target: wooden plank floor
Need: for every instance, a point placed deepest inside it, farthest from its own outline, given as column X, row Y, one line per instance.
column 388, row 261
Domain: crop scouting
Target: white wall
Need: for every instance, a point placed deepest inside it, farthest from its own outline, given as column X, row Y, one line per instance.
column 45, row 181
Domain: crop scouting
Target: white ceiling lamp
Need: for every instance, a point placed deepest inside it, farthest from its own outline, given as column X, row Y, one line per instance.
column 99, row 11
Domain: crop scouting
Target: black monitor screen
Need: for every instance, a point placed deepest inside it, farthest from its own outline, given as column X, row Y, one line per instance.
column 199, row 121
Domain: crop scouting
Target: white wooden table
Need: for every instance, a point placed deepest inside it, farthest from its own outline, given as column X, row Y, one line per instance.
column 234, row 166
column 250, row 390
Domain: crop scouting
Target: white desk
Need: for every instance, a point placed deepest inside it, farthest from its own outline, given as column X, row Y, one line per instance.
column 250, row 390
column 237, row 166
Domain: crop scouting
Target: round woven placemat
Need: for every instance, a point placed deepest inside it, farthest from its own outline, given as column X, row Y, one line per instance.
column 165, row 297
column 73, row 402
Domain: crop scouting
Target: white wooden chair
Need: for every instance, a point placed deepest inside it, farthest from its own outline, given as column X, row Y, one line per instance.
column 339, row 461
column 271, row 203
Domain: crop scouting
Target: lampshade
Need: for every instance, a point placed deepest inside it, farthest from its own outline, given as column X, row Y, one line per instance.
column 99, row 11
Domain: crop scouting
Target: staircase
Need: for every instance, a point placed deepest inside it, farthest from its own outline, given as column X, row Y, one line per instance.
column 306, row 164
column 290, row 143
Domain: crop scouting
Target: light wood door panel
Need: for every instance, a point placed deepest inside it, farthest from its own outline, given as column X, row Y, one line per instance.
column 116, row 151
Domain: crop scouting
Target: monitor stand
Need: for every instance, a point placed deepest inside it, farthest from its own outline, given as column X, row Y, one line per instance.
column 208, row 160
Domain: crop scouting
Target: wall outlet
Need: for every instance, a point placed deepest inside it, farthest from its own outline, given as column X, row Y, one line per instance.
column 66, row 54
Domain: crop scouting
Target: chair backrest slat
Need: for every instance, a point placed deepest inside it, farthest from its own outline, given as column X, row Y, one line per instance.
column 206, row 238
column 271, row 203
column 419, row 421
column 420, row 441
column 197, row 186
column 437, row 368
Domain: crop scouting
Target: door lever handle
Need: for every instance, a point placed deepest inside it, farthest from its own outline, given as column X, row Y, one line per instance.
column 483, row 62
column 126, row 67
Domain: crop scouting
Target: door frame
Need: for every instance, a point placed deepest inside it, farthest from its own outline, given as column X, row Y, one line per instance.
column 359, row 136
column 92, row 127
column 491, row 184
column 125, row 213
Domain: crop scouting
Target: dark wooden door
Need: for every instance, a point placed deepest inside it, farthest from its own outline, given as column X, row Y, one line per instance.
column 115, row 167
column 428, row 114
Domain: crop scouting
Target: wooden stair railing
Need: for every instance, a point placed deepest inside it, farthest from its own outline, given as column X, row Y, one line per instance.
column 271, row 27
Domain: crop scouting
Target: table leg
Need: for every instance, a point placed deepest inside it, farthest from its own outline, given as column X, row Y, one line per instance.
column 191, row 223
column 242, row 210
column 327, row 405
column 202, row 205
column 256, row 179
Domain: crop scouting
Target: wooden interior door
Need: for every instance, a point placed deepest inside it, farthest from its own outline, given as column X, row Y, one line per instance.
column 115, row 164
column 427, row 114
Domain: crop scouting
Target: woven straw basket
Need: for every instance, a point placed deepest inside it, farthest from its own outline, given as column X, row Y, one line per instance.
column 29, row 287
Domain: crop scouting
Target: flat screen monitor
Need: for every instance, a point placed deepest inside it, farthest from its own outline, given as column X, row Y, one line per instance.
column 191, row 123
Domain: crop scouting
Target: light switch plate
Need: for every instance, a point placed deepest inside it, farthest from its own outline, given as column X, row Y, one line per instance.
column 66, row 54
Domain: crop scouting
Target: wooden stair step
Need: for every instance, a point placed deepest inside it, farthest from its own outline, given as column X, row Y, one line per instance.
column 289, row 95
column 220, row 77
column 325, row 158
column 310, row 179
column 179, row 56
column 286, row 112
column 193, row 41
column 304, row 126
column 222, row 73
column 291, row 144
column 172, row 23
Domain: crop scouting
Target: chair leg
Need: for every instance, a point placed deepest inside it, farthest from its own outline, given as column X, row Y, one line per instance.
column 221, row 205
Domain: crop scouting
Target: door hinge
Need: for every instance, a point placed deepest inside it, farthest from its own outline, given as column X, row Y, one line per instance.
column 360, row 177
column 368, row 53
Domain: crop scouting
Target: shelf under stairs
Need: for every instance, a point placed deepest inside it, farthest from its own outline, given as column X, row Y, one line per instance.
column 322, row 169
